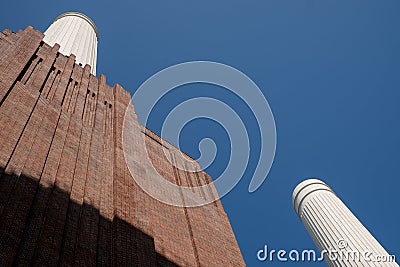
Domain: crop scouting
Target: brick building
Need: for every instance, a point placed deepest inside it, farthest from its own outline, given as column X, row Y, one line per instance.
column 66, row 195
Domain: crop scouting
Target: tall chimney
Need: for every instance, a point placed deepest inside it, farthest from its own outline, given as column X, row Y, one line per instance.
column 335, row 230
column 76, row 34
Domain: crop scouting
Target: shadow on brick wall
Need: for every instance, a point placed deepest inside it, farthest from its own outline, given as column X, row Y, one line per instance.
column 41, row 226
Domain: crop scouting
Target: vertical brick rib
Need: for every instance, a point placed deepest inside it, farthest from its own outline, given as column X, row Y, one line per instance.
column 125, row 245
column 121, row 101
column 16, row 58
column 86, row 251
column 30, row 68
column 104, row 244
column 178, row 181
column 65, row 77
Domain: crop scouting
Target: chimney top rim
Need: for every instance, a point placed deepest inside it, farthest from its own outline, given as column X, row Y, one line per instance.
column 80, row 15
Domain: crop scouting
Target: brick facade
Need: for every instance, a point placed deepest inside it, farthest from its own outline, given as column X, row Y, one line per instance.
column 66, row 195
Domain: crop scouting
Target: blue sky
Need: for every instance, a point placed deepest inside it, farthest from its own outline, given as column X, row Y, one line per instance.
column 330, row 71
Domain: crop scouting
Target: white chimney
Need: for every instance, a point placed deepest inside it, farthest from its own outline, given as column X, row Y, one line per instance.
column 76, row 34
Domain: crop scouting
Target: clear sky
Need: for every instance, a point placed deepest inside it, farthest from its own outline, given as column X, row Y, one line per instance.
column 330, row 71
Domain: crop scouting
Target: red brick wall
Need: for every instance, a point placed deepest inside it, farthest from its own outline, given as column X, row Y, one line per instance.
column 66, row 194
